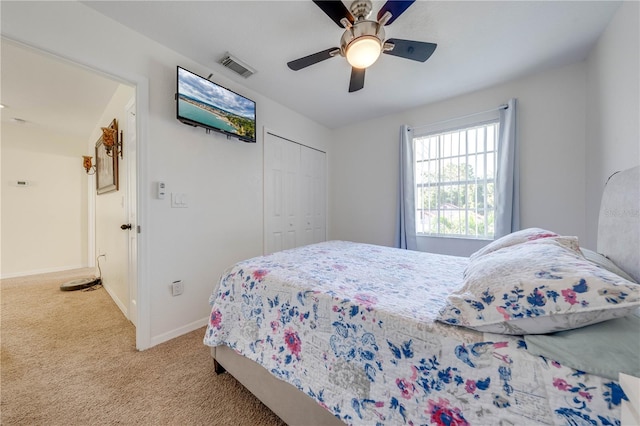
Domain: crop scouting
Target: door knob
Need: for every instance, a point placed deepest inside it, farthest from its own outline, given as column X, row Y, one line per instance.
column 126, row 226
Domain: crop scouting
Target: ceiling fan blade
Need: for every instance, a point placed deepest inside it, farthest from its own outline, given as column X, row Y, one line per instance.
column 336, row 10
column 314, row 58
column 395, row 7
column 410, row 49
column 357, row 79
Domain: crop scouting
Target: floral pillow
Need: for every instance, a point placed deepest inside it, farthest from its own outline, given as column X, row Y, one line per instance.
column 539, row 286
column 512, row 239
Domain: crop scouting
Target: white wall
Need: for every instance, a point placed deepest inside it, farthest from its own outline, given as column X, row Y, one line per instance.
column 577, row 125
column 44, row 225
column 613, row 107
column 110, row 209
column 551, row 132
column 222, row 178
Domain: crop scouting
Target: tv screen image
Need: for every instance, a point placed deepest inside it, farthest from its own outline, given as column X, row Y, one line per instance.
column 201, row 102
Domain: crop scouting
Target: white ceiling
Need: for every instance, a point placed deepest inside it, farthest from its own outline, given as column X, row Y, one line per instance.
column 60, row 103
column 480, row 43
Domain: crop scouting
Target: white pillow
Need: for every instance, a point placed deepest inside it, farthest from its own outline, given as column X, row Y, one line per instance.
column 539, row 286
column 517, row 237
column 606, row 263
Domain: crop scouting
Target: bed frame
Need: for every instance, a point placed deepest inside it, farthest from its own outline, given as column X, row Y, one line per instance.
column 291, row 405
column 618, row 239
column 619, row 221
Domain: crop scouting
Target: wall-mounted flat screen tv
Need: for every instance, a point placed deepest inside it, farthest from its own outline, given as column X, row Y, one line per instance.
column 201, row 102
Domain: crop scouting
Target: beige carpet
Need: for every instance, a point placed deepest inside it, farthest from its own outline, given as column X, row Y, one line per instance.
column 69, row 358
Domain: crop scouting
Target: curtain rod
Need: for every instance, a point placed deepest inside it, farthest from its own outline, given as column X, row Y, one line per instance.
column 503, row 106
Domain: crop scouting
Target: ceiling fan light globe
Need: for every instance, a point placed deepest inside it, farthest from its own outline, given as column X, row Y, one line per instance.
column 363, row 51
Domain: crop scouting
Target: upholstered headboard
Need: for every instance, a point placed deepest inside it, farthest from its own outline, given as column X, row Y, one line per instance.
column 619, row 222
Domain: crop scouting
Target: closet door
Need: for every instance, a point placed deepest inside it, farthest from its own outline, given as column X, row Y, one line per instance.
column 294, row 194
column 281, row 193
column 313, row 196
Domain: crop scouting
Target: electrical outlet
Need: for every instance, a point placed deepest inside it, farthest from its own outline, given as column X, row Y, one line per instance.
column 177, row 288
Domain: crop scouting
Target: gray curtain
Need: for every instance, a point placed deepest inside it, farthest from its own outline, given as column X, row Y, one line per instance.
column 508, row 176
column 406, row 220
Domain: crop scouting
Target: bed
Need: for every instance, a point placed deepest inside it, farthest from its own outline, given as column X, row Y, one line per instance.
column 341, row 332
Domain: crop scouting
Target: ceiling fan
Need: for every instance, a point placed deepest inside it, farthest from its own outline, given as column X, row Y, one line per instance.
column 364, row 40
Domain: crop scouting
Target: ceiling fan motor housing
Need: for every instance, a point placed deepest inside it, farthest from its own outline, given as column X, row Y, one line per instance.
column 361, row 9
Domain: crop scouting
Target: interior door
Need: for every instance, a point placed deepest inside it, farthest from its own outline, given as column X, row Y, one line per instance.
column 312, row 171
column 131, row 143
column 319, row 196
column 281, row 189
column 294, row 194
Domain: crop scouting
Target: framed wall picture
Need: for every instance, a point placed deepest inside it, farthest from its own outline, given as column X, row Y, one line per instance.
column 106, row 166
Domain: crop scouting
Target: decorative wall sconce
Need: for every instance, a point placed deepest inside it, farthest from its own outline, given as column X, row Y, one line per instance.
column 113, row 142
column 113, row 147
column 86, row 162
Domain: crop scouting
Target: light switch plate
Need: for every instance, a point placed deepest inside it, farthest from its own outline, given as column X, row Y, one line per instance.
column 179, row 200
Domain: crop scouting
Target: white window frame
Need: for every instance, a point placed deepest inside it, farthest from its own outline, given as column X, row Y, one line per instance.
column 448, row 127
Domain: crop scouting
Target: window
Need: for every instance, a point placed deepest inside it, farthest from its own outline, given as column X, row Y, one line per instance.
column 455, row 175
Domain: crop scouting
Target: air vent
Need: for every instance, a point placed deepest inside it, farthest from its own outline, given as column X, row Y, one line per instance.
column 237, row 65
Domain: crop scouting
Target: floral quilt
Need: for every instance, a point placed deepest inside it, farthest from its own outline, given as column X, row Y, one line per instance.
column 353, row 326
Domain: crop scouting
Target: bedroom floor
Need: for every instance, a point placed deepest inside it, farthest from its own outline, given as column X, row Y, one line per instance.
column 69, row 358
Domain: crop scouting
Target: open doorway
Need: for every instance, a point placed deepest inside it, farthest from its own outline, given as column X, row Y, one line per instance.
column 52, row 217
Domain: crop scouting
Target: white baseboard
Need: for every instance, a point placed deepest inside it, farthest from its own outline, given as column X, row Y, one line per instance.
column 156, row 340
column 41, row 271
column 117, row 301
